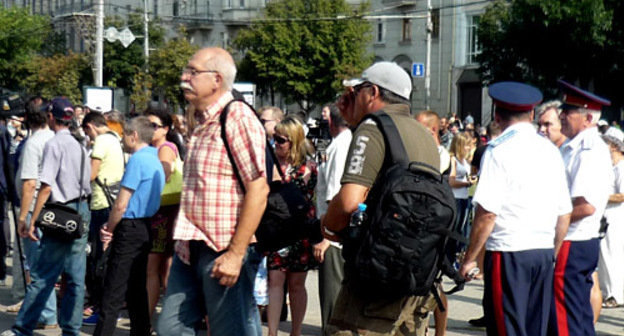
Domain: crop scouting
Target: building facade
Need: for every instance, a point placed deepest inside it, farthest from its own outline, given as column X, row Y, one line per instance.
column 399, row 35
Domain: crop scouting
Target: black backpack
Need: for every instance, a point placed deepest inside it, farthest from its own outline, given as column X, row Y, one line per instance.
column 411, row 212
column 285, row 218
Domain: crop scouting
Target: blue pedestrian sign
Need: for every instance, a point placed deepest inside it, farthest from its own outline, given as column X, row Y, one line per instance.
column 418, row 70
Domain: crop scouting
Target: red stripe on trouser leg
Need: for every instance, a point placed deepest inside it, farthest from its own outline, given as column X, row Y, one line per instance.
column 560, row 309
column 497, row 293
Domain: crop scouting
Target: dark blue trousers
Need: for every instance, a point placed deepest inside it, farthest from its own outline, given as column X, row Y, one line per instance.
column 518, row 292
column 571, row 311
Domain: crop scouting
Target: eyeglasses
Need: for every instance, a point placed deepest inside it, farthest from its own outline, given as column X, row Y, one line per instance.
column 360, row 87
column 156, row 126
column 194, row 72
column 264, row 121
column 280, row 139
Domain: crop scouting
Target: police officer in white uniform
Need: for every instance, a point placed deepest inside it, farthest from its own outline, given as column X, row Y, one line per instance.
column 521, row 201
column 590, row 175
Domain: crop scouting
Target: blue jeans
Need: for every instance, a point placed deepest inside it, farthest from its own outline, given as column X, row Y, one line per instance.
column 192, row 293
column 31, row 251
column 56, row 257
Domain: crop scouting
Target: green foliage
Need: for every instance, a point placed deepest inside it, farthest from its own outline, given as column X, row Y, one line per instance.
column 539, row 41
column 122, row 64
column 21, row 36
column 166, row 64
column 141, row 90
column 303, row 51
column 59, row 75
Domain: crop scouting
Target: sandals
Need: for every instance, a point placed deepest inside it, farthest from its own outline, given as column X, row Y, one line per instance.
column 610, row 303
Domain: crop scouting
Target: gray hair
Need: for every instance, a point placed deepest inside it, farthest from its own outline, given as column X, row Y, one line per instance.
column 552, row 104
column 142, row 126
column 223, row 63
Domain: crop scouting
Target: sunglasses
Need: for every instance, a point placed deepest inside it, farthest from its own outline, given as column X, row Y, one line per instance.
column 155, row 125
column 280, row 140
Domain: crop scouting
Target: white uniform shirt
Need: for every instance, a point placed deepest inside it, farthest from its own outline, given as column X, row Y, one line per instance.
column 615, row 211
column 590, row 175
column 523, row 183
column 445, row 159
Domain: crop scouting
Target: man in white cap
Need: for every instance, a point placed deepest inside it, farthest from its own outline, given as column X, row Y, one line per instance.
column 383, row 86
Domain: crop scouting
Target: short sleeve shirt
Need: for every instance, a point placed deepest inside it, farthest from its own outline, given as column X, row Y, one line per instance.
column 107, row 149
column 590, row 175
column 367, row 149
column 145, row 176
column 60, row 170
column 32, row 155
column 330, row 171
column 211, row 198
column 523, row 182
column 615, row 211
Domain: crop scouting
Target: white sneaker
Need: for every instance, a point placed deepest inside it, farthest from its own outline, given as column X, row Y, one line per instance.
column 8, row 333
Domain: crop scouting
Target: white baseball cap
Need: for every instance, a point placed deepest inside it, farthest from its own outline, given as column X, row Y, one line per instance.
column 387, row 75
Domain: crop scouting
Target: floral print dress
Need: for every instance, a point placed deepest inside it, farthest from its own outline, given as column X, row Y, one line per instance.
column 298, row 257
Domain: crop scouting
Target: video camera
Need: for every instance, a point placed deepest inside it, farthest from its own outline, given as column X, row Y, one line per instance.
column 11, row 104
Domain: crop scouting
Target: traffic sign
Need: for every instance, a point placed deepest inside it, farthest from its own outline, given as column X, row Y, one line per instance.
column 126, row 37
column 418, row 70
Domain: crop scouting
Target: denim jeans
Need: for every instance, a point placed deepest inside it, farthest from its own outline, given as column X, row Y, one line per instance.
column 56, row 257
column 31, row 253
column 193, row 293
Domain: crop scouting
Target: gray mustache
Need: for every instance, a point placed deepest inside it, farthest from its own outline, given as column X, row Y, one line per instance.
column 186, row 86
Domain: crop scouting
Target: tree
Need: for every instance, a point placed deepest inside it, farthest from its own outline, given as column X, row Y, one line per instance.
column 59, row 75
column 539, row 41
column 166, row 64
column 122, row 64
column 141, row 90
column 304, row 48
column 21, row 36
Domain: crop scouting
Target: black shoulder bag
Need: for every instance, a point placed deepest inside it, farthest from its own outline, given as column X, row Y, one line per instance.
column 61, row 221
column 284, row 220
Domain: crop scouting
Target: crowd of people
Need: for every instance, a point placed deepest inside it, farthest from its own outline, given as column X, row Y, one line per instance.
column 170, row 212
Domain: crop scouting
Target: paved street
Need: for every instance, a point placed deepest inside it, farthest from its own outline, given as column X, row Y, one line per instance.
column 463, row 306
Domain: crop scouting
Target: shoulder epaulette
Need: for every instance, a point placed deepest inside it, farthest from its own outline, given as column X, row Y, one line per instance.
column 501, row 139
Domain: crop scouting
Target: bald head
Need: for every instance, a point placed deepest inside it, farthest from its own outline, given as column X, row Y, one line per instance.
column 220, row 60
column 431, row 121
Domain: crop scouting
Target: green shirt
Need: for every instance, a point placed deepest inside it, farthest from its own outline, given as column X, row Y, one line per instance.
column 367, row 149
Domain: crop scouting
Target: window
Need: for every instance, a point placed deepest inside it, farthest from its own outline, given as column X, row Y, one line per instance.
column 195, row 9
column 208, row 8
column 224, row 40
column 242, row 3
column 228, row 4
column 381, row 32
column 176, row 8
column 473, row 40
column 155, row 7
column 435, row 23
column 406, row 32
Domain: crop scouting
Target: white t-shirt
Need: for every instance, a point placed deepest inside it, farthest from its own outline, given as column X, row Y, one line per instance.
column 590, row 175
column 462, row 170
column 522, row 181
column 445, row 158
column 30, row 159
column 330, row 172
column 615, row 211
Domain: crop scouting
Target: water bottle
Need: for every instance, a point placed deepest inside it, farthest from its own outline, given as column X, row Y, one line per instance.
column 358, row 217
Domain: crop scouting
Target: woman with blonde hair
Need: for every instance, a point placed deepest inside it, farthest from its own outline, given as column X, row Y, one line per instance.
column 292, row 262
column 460, row 179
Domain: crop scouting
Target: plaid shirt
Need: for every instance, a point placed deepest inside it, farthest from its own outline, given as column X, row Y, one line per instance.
column 211, row 196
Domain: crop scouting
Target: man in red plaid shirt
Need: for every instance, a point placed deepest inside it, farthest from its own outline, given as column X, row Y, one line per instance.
column 215, row 262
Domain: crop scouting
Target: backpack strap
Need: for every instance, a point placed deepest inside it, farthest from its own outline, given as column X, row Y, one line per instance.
column 392, row 138
column 269, row 148
column 397, row 153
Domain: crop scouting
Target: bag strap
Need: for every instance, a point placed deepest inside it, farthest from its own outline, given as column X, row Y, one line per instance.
column 269, row 148
column 397, row 153
column 106, row 190
column 82, row 163
column 123, row 157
